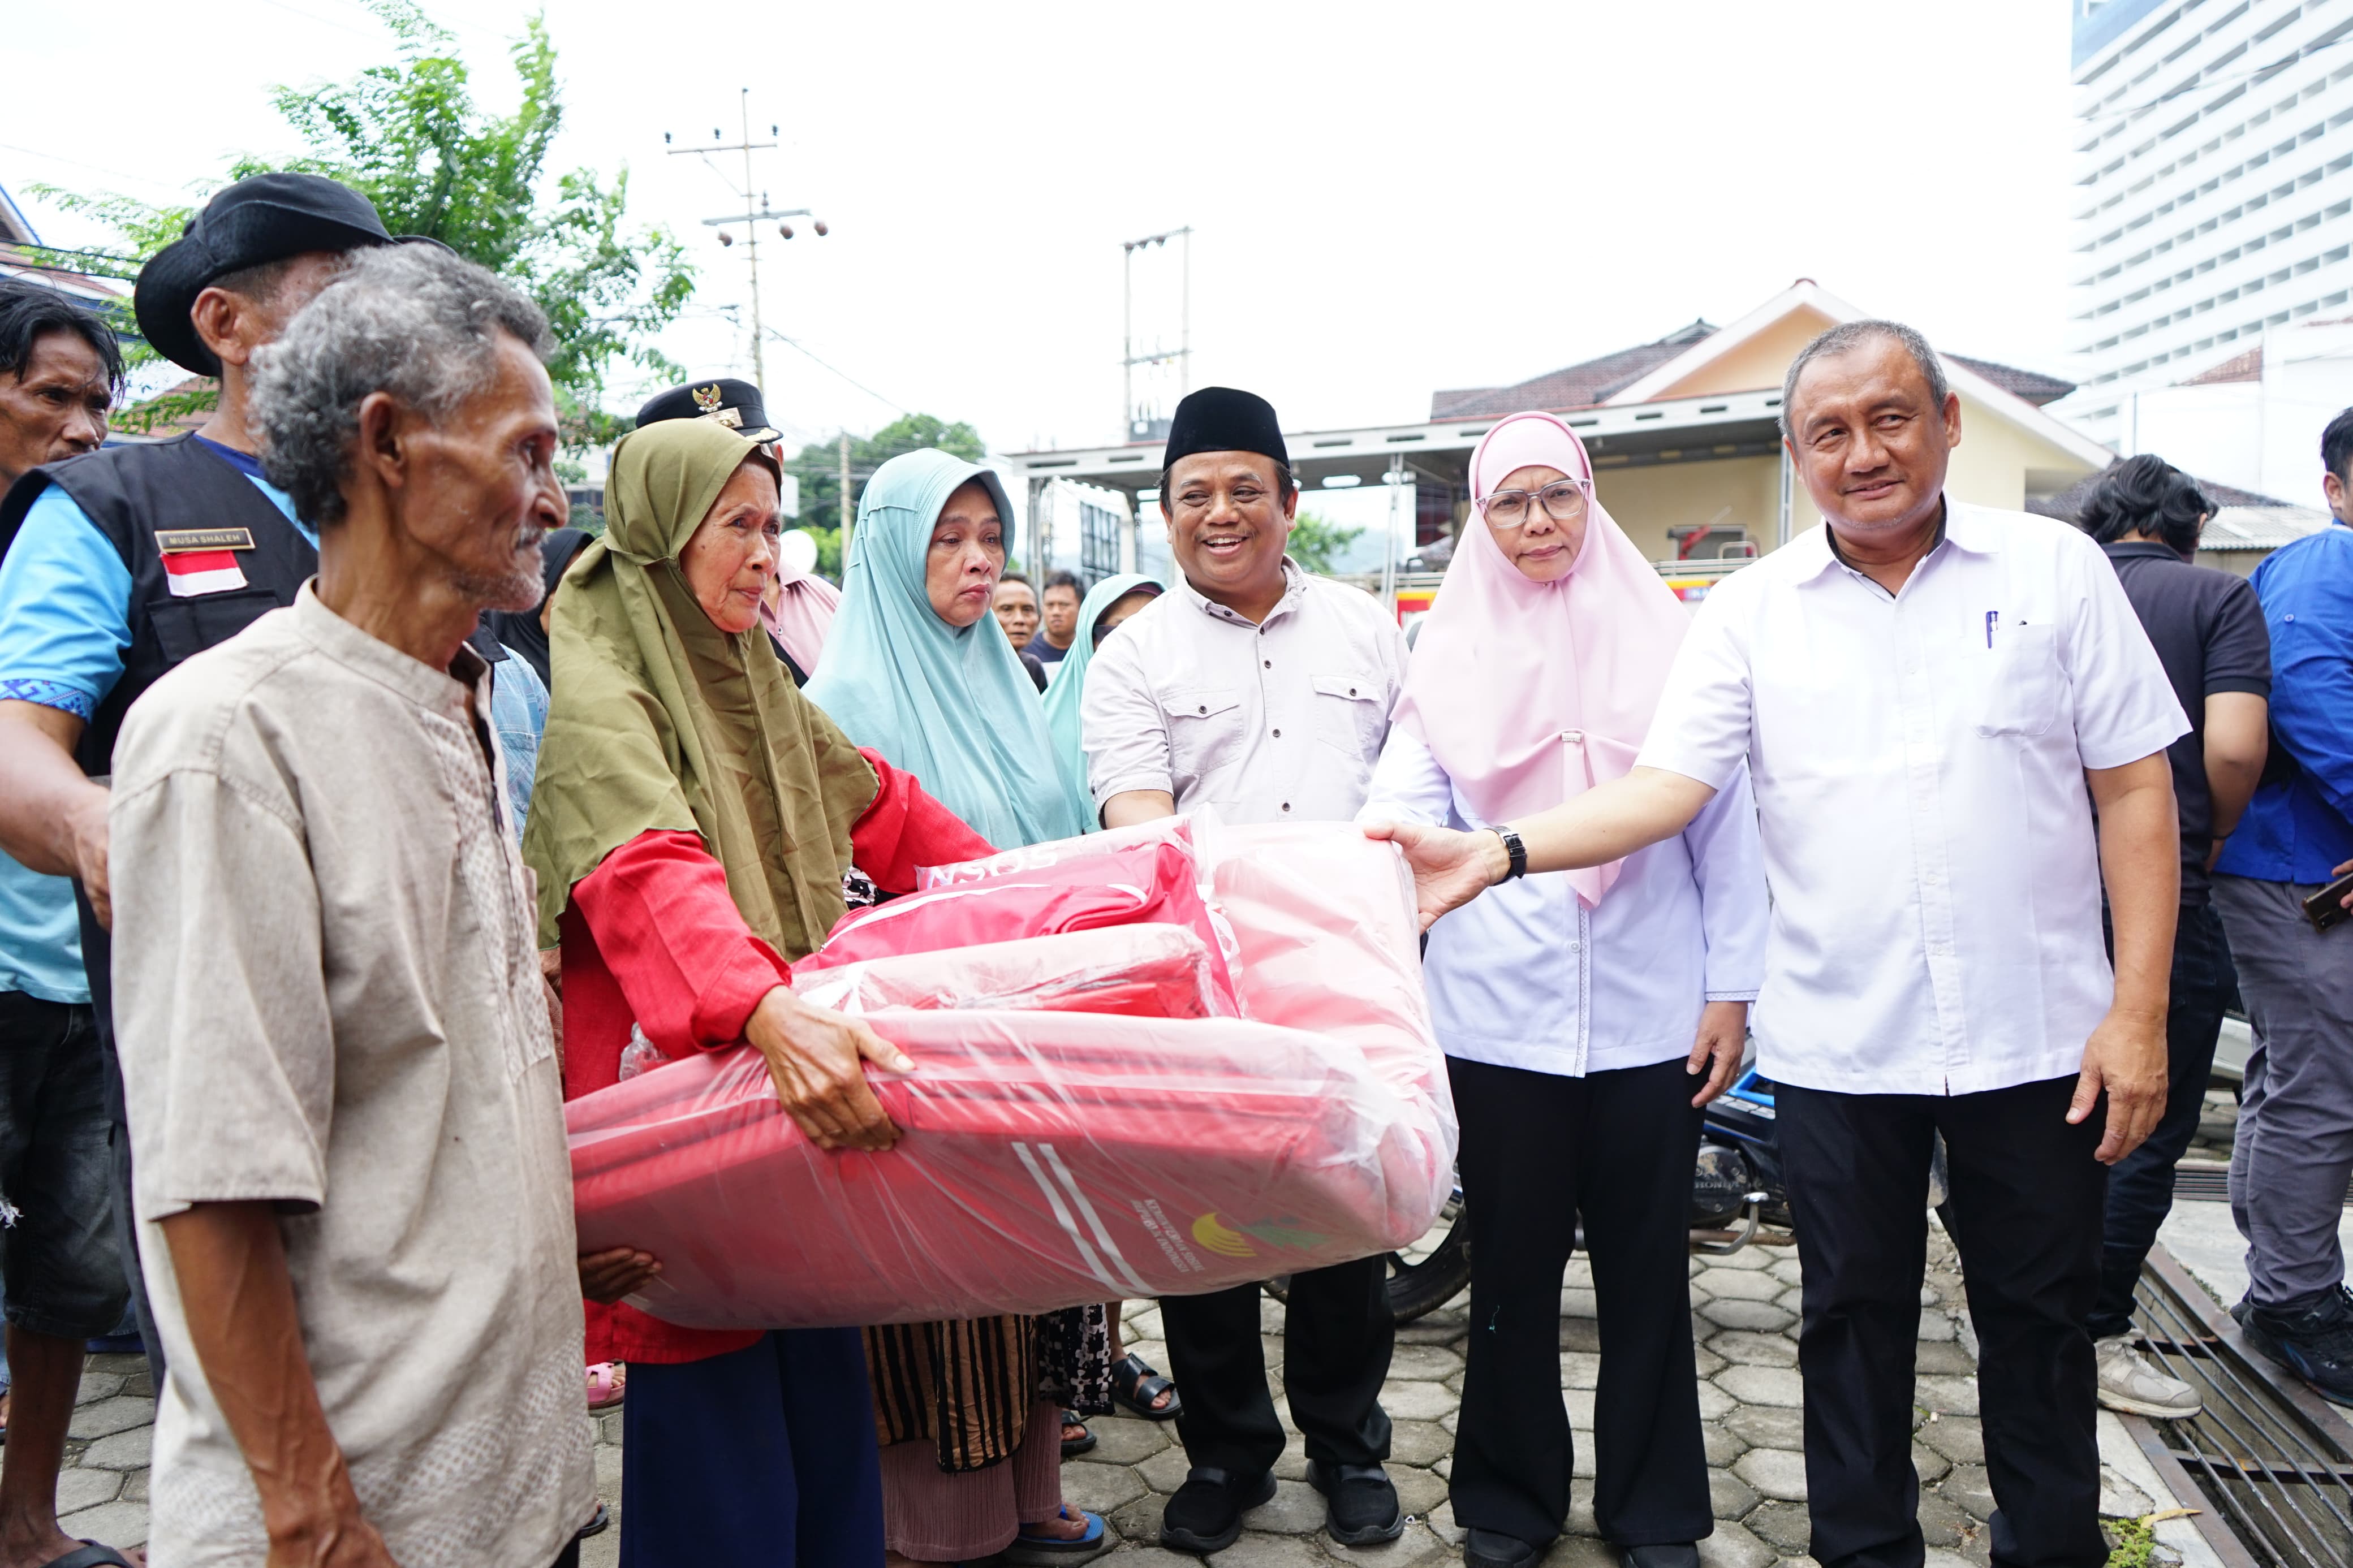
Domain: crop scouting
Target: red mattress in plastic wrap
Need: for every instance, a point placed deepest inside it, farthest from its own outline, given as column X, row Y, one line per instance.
column 1135, row 971
column 1150, row 873
column 1053, row 1157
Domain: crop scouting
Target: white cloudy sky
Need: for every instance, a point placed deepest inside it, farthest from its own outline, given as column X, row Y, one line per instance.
column 1386, row 198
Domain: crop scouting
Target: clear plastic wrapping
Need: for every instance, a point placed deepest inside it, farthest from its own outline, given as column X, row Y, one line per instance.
column 1136, row 970
column 1053, row 1156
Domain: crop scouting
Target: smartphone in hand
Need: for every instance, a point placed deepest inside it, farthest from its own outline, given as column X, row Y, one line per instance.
column 2326, row 907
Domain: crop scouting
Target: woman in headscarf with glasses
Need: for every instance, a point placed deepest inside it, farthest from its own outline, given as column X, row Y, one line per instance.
column 915, row 669
column 692, row 826
column 1585, row 1016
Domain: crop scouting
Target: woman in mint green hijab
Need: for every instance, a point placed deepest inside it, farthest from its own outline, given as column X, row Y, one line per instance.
column 1107, row 604
column 915, row 666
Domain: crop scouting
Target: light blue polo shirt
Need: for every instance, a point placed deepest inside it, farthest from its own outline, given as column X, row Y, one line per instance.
column 65, row 625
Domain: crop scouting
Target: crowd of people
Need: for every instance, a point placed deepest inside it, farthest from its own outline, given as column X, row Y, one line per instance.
column 359, row 812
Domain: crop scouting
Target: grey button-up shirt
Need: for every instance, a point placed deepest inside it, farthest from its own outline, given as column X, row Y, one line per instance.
column 1280, row 721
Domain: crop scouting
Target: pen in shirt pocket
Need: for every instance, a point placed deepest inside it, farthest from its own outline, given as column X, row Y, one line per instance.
column 1993, row 619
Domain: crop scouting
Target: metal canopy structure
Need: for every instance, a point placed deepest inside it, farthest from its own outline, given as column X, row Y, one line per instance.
column 1438, row 452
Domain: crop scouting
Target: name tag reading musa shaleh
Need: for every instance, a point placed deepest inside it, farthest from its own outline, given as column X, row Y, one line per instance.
column 179, row 541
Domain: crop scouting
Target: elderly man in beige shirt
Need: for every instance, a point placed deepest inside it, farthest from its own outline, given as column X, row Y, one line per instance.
column 351, row 1181
column 1264, row 693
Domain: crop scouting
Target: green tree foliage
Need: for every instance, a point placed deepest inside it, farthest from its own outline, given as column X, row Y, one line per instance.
column 410, row 136
column 819, row 470
column 1317, row 543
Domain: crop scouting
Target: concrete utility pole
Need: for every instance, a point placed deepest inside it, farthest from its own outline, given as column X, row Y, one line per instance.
column 751, row 217
column 845, row 503
column 1129, row 359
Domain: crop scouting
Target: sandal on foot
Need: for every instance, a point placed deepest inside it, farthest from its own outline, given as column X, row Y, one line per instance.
column 1083, row 1443
column 608, row 1382
column 1136, row 1386
column 90, row 1555
column 598, row 1523
column 1029, row 1551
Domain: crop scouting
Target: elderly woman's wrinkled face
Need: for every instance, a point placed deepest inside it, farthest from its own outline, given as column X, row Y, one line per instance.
column 732, row 558
column 967, row 552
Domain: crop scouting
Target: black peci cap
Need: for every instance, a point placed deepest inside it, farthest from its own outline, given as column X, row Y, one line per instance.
column 256, row 221
column 1221, row 419
column 734, row 404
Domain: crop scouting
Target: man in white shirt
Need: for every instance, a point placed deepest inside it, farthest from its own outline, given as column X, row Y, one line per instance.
column 1931, row 698
column 1264, row 692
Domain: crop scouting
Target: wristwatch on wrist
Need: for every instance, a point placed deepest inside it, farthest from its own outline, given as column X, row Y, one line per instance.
column 1515, row 851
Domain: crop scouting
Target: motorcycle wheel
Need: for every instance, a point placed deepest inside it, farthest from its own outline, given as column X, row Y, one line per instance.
column 1425, row 1277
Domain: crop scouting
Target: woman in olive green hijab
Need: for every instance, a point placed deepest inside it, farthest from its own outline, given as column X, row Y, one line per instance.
column 690, row 827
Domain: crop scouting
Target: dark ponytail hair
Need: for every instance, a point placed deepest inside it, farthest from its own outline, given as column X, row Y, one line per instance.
column 2146, row 495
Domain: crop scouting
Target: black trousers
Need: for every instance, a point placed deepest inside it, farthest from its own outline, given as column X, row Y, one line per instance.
column 2027, row 1200
column 1537, row 1150
column 2140, row 1185
column 98, row 959
column 1336, row 1339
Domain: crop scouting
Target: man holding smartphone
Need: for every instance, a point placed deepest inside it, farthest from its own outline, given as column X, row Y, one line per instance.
column 2295, row 1145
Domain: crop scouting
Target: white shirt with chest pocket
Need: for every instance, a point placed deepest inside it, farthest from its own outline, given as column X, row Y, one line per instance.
column 1279, row 722
column 1919, row 765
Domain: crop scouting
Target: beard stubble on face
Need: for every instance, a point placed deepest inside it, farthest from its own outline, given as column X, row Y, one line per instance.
column 519, row 589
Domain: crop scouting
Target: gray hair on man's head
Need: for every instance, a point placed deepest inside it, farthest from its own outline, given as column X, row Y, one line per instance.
column 416, row 321
column 1848, row 335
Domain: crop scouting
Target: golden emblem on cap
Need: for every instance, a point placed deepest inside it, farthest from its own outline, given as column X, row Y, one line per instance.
column 706, row 404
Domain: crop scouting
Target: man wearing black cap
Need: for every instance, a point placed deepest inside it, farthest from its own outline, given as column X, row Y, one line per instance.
column 1264, row 692
column 118, row 564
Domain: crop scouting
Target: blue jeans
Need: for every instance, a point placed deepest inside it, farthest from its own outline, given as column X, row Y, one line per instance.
column 2140, row 1185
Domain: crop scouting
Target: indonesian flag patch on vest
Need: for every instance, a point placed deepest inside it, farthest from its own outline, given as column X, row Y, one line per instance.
column 194, row 572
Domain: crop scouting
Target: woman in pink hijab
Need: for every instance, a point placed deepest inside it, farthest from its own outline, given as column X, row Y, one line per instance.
column 1586, row 1014
column 800, row 605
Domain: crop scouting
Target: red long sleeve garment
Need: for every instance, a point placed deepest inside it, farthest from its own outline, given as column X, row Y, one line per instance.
column 651, row 937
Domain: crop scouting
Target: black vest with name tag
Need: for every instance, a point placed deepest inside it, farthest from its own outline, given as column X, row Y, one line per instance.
column 171, row 488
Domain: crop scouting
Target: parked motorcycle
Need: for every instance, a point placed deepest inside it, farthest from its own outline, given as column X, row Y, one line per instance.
column 1736, row 1189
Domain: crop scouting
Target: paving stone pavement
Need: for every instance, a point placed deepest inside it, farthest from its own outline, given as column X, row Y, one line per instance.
column 1744, row 1318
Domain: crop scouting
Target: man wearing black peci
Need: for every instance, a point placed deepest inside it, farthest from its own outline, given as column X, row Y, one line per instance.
column 1257, row 689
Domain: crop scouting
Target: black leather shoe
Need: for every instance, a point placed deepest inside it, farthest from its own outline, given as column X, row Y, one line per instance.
column 1360, row 1506
column 2315, row 1342
column 1493, row 1549
column 1205, row 1514
column 1673, row 1554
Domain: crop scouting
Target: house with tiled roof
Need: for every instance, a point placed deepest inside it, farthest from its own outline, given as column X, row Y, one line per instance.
column 1683, row 500
column 1683, row 431
column 1597, row 381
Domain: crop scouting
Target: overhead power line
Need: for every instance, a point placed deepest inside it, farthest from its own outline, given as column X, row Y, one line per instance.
column 795, row 344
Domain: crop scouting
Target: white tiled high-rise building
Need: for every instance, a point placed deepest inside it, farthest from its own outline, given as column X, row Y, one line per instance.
column 2213, row 195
